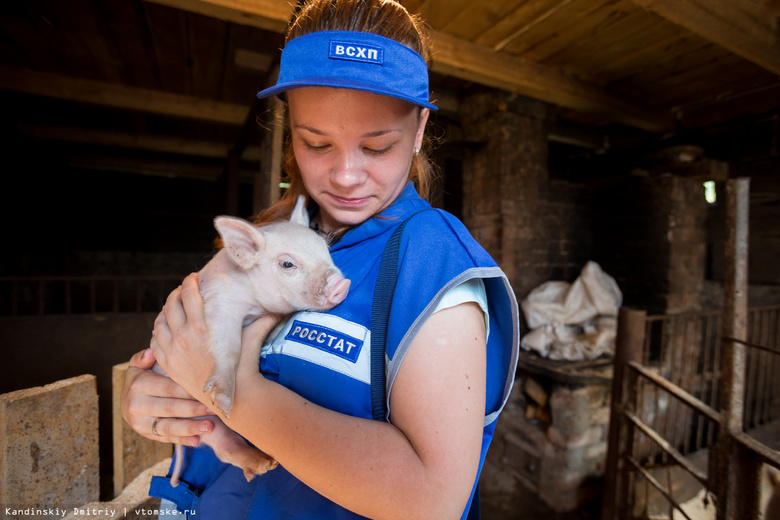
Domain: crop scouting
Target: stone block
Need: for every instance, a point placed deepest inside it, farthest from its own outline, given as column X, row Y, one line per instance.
column 601, row 416
column 572, row 409
column 592, row 435
column 133, row 453
column 49, row 448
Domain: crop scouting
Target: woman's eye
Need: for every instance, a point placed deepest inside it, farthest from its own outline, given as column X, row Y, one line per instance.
column 314, row 148
column 375, row 152
column 287, row 265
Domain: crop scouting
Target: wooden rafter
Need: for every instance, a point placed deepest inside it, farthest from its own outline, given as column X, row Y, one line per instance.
column 120, row 96
column 271, row 15
column 745, row 27
column 466, row 60
column 157, row 143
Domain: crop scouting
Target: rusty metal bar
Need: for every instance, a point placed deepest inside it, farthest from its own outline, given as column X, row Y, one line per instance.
column 661, row 489
column 677, row 392
column 746, row 454
column 731, row 469
column 668, row 448
column 753, row 345
column 765, row 453
column 36, row 294
column 629, row 346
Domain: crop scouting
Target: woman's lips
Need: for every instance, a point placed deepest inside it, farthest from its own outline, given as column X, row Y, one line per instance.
column 349, row 202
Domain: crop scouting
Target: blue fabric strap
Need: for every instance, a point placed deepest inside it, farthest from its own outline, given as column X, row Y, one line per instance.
column 380, row 316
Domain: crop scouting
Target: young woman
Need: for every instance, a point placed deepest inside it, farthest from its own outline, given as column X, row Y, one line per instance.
column 354, row 76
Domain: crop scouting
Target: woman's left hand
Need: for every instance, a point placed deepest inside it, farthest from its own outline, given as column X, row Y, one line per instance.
column 180, row 340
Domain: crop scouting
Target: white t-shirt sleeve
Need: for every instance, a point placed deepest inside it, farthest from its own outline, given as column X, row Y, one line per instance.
column 472, row 290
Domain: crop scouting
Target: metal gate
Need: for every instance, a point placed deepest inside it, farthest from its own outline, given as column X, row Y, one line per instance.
column 688, row 383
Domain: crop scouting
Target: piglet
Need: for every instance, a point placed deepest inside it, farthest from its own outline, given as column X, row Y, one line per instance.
column 278, row 268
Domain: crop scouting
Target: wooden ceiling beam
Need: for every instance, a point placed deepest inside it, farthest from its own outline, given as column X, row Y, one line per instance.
column 119, row 96
column 744, row 27
column 478, row 63
column 465, row 60
column 200, row 170
column 270, row 15
column 153, row 143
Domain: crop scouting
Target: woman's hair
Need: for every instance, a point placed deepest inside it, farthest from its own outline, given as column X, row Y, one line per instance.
column 386, row 18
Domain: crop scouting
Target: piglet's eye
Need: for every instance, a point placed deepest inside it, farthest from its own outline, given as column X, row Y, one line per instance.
column 287, row 264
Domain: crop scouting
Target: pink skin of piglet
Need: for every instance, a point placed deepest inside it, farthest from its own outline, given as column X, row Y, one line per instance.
column 278, row 268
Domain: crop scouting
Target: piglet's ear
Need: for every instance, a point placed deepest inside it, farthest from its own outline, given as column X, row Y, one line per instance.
column 243, row 242
column 299, row 214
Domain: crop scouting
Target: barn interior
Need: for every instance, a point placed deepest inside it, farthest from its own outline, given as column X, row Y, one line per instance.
column 568, row 131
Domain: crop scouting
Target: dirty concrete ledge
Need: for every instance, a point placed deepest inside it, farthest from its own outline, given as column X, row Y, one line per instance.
column 133, row 503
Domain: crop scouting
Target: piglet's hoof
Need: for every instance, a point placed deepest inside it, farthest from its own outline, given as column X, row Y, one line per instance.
column 219, row 397
column 264, row 466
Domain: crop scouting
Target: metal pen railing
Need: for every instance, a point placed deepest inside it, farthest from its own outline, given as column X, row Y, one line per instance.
column 47, row 295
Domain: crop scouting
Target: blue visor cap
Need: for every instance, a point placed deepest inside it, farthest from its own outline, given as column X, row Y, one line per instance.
column 353, row 60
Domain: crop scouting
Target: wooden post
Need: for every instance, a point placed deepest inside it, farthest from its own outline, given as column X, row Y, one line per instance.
column 132, row 453
column 629, row 346
column 277, row 152
column 266, row 188
column 258, row 192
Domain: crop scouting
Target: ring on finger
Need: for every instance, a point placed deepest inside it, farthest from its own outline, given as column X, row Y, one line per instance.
column 154, row 427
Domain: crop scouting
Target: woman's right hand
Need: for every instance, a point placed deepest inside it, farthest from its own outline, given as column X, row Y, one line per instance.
column 148, row 397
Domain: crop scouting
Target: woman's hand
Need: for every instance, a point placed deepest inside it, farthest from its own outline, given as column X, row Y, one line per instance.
column 148, row 397
column 180, row 341
column 180, row 338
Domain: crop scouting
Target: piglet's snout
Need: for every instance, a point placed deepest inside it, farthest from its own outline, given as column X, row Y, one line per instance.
column 337, row 288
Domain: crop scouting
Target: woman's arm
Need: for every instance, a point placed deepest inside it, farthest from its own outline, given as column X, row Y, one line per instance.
column 423, row 465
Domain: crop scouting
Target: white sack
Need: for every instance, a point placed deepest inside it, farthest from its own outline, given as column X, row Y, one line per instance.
column 573, row 321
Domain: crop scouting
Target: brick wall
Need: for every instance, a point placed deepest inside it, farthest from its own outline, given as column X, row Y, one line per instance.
column 536, row 229
column 650, row 235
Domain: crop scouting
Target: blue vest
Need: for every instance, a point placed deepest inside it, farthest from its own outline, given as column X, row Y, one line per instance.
column 325, row 357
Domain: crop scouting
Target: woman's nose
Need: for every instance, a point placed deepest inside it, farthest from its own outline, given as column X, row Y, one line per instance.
column 348, row 170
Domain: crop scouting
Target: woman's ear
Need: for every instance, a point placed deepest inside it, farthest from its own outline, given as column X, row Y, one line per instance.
column 421, row 121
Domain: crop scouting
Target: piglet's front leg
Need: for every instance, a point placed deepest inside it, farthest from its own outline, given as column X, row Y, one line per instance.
column 224, row 344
